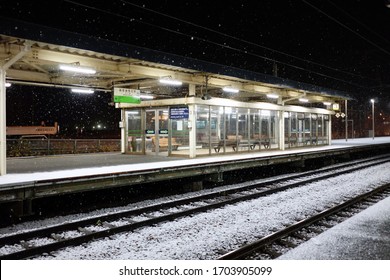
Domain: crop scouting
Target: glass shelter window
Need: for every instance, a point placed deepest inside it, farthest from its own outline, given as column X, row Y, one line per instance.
column 262, row 129
column 156, row 131
column 325, row 129
column 134, row 131
column 216, row 127
column 242, row 138
column 179, row 137
column 314, row 129
column 302, row 129
column 307, row 129
column 291, row 129
column 232, row 130
column 254, row 128
column 266, row 126
column 231, row 120
column 274, row 130
column 203, row 129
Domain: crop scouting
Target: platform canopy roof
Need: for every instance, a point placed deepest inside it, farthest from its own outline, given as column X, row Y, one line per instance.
column 34, row 55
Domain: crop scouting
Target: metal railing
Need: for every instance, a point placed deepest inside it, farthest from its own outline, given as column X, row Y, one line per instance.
column 32, row 147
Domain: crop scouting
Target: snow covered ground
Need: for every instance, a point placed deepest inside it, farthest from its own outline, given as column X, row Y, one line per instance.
column 208, row 235
column 14, row 179
column 365, row 236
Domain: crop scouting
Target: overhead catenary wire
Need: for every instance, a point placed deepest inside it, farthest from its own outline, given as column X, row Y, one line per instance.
column 229, row 47
column 245, row 41
column 359, row 22
column 346, row 27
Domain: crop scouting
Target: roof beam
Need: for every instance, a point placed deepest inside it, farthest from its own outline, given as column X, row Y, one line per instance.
column 19, row 55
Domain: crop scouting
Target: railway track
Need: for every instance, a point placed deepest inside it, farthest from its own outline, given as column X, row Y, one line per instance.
column 279, row 242
column 44, row 240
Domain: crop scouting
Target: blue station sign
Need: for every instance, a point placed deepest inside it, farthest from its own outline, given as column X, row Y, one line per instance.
column 178, row 113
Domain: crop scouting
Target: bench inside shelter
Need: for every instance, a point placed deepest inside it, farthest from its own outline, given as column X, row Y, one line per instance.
column 163, row 143
column 237, row 143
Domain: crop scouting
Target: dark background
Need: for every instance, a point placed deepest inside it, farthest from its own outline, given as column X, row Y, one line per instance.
column 341, row 45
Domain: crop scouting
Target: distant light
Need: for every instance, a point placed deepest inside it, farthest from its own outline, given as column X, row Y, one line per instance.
column 81, row 90
column 170, row 82
column 7, row 84
column 304, row 100
column 372, row 100
column 146, row 97
column 273, row 96
column 327, row 103
column 77, row 69
column 231, row 90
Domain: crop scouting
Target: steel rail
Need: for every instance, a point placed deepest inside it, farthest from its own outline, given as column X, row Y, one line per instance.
column 248, row 249
column 46, row 232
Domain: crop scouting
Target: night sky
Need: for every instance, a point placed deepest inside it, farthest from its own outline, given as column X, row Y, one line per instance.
column 341, row 45
column 30, row 105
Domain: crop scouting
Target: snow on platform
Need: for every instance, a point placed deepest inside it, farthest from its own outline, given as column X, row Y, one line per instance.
column 365, row 236
column 96, row 164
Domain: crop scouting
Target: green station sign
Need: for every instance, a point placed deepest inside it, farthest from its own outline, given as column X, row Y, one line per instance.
column 127, row 95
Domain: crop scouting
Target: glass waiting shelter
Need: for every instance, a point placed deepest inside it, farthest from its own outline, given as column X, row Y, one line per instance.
column 192, row 127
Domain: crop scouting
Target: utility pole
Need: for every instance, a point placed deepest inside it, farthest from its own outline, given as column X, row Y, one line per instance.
column 346, row 120
column 275, row 69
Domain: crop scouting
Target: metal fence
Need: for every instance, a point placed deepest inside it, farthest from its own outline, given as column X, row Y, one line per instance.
column 31, row 147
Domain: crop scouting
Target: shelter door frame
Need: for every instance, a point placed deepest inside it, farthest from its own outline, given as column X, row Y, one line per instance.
column 156, row 136
column 3, row 139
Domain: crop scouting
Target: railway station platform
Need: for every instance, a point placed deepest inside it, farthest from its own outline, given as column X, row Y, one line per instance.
column 365, row 236
column 33, row 178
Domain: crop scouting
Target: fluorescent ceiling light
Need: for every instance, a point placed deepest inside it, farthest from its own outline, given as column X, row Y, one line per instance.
column 229, row 89
column 7, row 84
column 82, row 90
column 303, row 100
column 272, row 95
column 265, row 113
column 77, row 69
column 171, row 82
column 327, row 103
column 146, row 96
